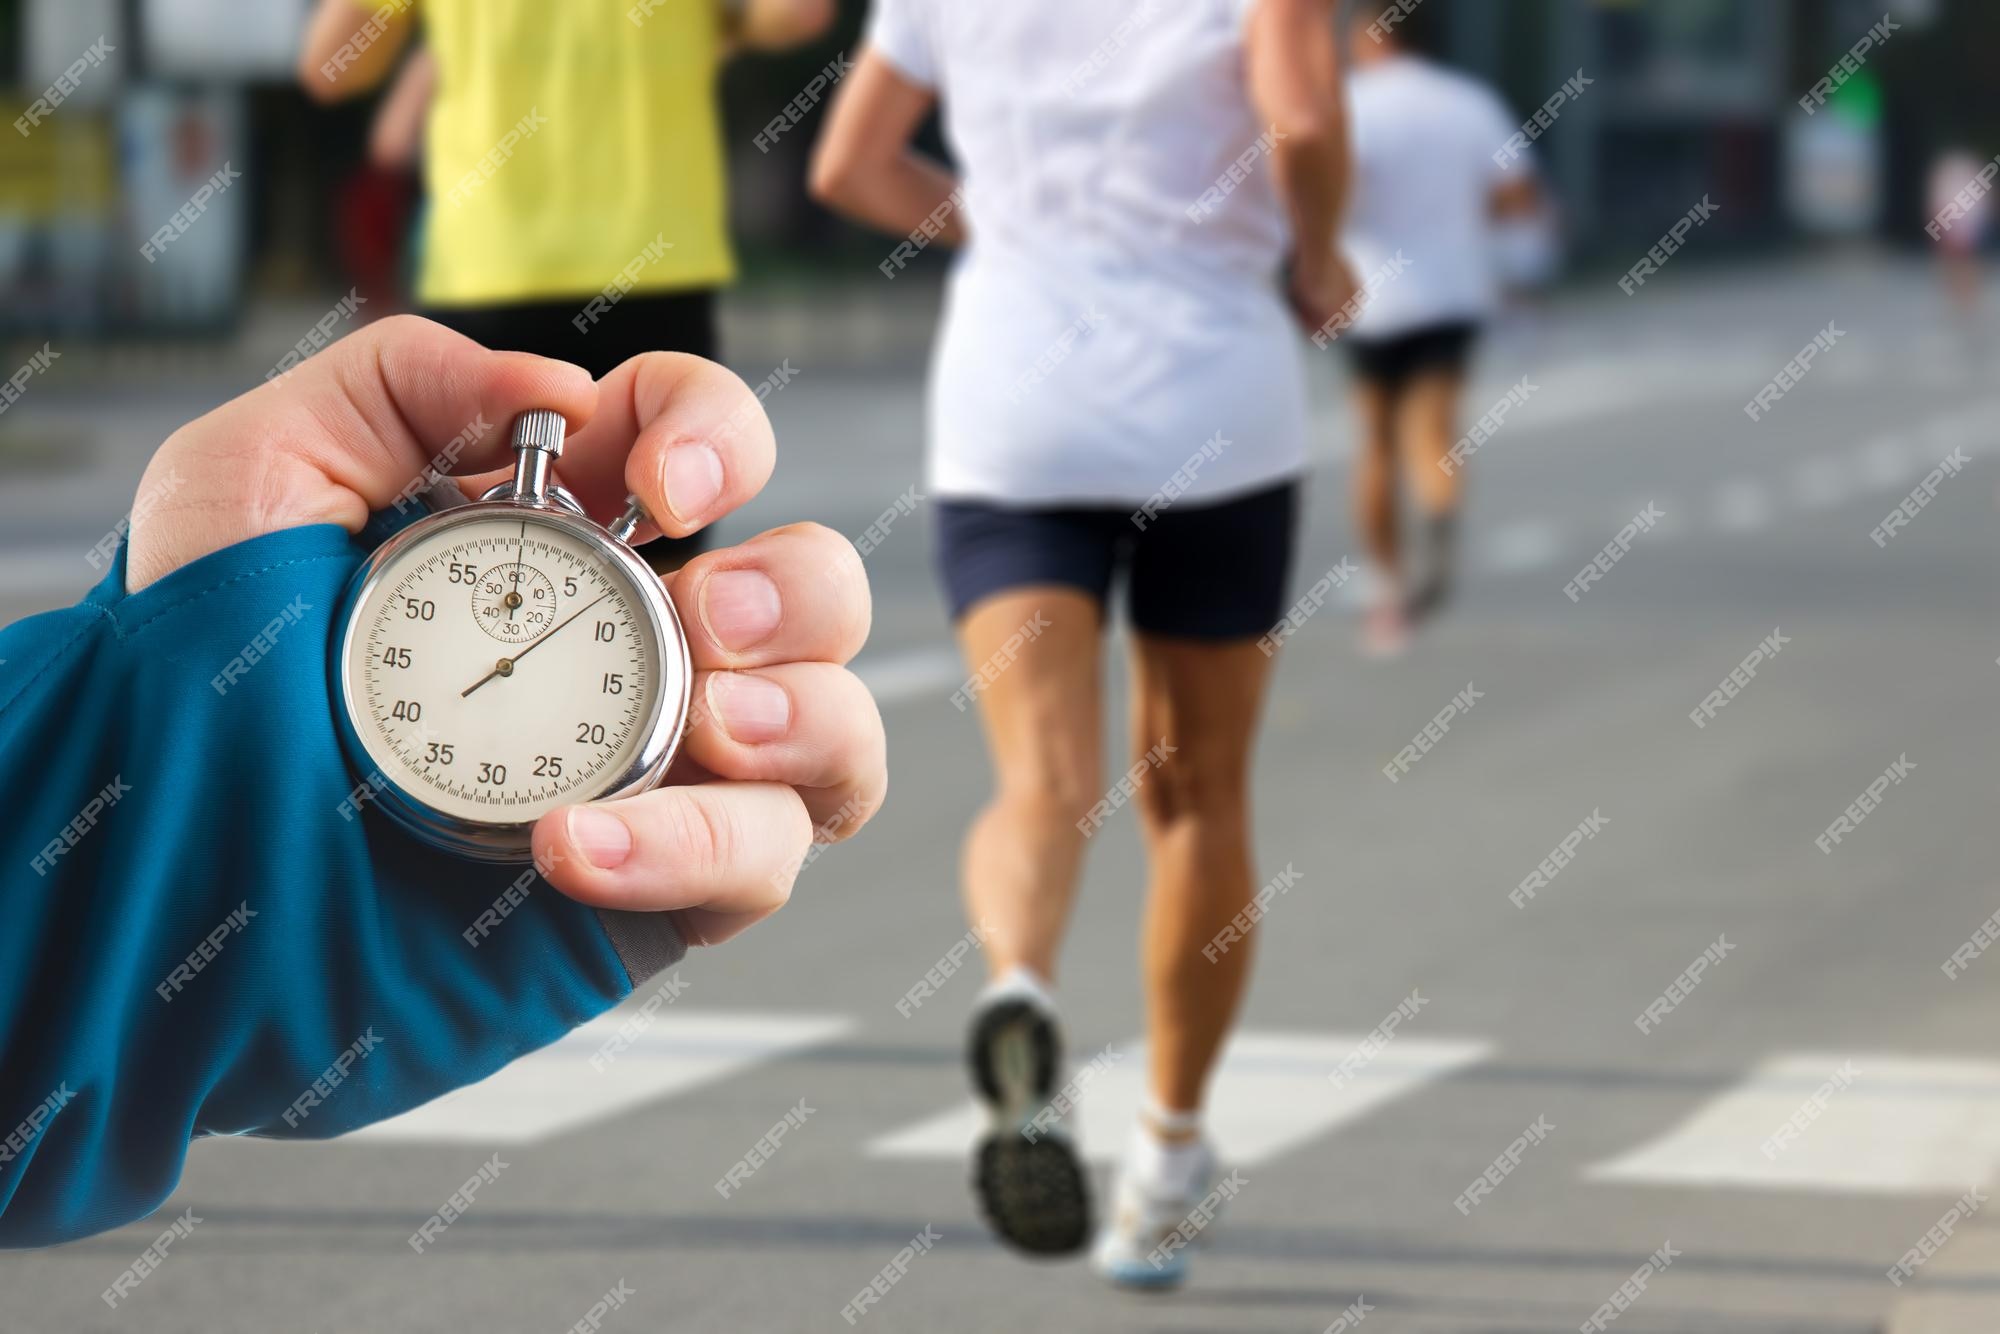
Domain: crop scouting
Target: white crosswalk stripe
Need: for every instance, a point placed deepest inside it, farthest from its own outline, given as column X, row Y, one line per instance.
column 1523, row 544
column 1892, row 1125
column 895, row 677
column 1740, row 506
column 1271, row 1094
column 562, row 1086
column 1897, row 1125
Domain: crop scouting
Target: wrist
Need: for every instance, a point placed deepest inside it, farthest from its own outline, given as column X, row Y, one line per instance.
column 1313, row 265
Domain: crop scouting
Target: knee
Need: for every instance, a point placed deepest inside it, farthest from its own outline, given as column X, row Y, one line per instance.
column 1378, row 450
column 1053, row 791
column 1186, row 788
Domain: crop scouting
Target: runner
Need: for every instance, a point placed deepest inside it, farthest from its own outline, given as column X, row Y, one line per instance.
column 612, row 170
column 1116, row 392
column 1960, row 214
column 1432, row 177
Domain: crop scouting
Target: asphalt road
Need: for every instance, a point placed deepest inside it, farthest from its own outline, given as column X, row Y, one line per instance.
column 1824, row 1004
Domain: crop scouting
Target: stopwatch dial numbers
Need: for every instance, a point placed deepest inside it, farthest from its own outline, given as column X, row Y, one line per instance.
column 544, row 703
column 514, row 602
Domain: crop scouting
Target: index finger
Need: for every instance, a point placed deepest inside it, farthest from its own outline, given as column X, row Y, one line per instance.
column 343, row 435
column 682, row 433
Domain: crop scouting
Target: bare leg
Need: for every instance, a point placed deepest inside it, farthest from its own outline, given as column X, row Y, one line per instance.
column 1375, row 475
column 1427, row 427
column 1042, row 714
column 1377, row 500
column 1203, row 698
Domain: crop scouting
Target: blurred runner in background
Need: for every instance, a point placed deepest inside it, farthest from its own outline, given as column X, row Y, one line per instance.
column 1117, row 394
column 1435, row 188
column 381, row 204
column 1960, row 211
column 574, row 164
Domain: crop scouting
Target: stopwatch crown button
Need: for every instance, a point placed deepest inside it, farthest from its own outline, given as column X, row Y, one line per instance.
column 541, row 430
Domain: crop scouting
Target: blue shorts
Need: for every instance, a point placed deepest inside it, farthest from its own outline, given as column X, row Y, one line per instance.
column 1197, row 571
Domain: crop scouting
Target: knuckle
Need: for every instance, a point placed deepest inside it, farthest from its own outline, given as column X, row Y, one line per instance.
column 723, row 410
column 389, row 331
column 269, row 494
column 815, row 533
column 402, row 325
column 703, row 838
column 661, row 373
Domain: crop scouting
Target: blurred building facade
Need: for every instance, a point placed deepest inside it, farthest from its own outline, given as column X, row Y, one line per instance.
column 1700, row 98
column 125, row 113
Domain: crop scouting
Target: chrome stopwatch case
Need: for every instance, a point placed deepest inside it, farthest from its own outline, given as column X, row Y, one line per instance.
column 505, row 657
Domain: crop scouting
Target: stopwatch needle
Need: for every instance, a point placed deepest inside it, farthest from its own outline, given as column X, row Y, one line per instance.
column 505, row 667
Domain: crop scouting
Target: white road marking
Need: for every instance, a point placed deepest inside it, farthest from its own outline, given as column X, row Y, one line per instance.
column 557, row 1089
column 1904, row 1125
column 911, row 673
column 1523, row 544
column 1571, row 400
column 1571, row 391
column 1741, row 505
column 1271, row 1094
column 1886, row 462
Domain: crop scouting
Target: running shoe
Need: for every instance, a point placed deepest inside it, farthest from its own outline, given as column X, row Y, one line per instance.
column 1440, row 554
column 1145, row 1243
column 1385, row 630
column 1026, row 1173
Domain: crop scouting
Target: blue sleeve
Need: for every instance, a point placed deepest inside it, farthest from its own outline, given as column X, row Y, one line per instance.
column 202, row 933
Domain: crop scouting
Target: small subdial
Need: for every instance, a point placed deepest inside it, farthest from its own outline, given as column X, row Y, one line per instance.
column 514, row 603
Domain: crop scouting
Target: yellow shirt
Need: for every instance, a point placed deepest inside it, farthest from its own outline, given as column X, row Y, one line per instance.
column 570, row 149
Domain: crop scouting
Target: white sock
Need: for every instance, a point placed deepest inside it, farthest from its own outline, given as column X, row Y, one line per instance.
column 1172, row 1168
column 1023, row 983
column 1168, row 1123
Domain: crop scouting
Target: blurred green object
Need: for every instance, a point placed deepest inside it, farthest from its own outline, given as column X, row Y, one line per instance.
column 1859, row 101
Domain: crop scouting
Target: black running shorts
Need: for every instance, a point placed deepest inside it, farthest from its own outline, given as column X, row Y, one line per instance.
column 1394, row 362
column 1192, row 570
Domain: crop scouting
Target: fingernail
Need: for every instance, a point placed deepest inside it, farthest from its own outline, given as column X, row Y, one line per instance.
column 740, row 608
column 602, row 838
column 693, row 476
column 752, row 708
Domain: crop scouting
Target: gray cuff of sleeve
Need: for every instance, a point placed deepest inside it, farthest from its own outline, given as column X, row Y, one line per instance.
column 647, row 943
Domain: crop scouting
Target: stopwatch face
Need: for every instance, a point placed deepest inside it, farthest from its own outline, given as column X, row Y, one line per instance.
column 500, row 667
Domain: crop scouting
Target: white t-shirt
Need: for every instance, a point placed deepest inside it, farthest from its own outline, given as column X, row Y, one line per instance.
column 1116, row 312
column 1424, row 174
